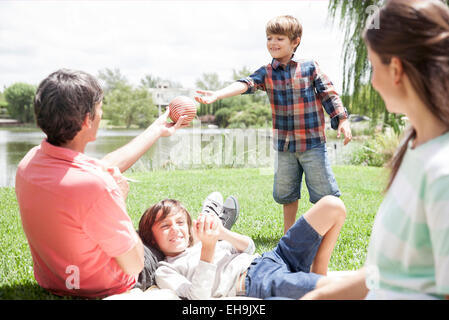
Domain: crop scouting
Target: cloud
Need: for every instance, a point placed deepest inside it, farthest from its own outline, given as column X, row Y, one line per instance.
column 179, row 40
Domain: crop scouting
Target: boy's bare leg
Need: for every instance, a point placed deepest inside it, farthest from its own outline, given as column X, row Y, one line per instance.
column 327, row 217
column 290, row 211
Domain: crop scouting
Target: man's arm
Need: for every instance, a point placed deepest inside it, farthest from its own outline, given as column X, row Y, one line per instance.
column 132, row 262
column 233, row 89
column 126, row 156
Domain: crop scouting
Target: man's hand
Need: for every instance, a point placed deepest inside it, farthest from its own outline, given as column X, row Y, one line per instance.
column 168, row 128
column 206, row 97
column 120, row 180
column 344, row 127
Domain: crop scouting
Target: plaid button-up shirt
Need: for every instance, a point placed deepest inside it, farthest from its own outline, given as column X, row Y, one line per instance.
column 297, row 92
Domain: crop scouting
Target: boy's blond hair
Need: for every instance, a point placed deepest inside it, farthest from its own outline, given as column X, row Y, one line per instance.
column 285, row 25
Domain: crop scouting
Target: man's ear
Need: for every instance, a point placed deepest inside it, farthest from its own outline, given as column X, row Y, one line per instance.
column 87, row 121
column 396, row 69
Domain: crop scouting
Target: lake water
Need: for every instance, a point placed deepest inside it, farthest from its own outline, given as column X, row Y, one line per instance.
column 189, row 148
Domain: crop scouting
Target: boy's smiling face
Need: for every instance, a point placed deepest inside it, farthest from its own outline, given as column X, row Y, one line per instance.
column 172, row 233
column 281, row 47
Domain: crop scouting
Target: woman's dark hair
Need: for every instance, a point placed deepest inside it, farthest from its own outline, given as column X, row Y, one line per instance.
column 148, row 219
column 62, row 102
column 417, row 33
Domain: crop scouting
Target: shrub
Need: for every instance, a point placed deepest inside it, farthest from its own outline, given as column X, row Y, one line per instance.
column 222, row 117
column 19, row 97
column 377, row 151
column 254, row 114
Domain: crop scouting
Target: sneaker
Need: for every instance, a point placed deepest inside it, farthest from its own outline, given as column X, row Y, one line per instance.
column 231, row 210
column 213, row 204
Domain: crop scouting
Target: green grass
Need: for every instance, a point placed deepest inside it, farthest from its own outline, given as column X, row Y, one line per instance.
column 260, row 217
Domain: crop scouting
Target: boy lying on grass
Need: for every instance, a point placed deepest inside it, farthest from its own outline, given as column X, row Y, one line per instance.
column 210, row 268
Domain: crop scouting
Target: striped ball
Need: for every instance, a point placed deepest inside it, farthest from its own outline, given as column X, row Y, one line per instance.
column 181, row 106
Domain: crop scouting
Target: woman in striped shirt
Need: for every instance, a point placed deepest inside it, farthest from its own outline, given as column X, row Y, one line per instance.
column 408, row 255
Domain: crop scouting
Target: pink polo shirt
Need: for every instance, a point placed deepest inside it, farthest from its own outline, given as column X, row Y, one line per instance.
column 75, row 220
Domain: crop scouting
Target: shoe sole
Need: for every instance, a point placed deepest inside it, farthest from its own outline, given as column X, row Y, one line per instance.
column 236, row 207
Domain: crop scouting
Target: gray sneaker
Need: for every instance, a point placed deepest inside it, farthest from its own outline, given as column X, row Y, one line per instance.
column 230, row 214
column 213, row 204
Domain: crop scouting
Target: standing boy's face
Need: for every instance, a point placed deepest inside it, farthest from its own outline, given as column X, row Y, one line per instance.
column 172, row 233
column 281, row 47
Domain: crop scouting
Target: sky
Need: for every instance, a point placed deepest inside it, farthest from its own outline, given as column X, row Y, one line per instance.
column 175, row 40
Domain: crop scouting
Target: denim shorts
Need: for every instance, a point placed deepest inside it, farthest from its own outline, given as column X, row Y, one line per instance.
column 289, row 168
column 285, row 271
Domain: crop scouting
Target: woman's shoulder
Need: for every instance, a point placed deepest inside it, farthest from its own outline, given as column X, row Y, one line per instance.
column 437, row 164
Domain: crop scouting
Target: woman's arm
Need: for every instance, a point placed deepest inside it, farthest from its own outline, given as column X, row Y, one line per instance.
column 350, row 287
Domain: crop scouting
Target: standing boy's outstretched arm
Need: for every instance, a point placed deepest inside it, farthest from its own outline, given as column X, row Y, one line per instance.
column 233, row 89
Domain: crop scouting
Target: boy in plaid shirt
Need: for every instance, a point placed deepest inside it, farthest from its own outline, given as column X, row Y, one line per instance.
column 298, row 91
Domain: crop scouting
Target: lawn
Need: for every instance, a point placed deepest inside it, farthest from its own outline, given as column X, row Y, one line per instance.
column 260, row 217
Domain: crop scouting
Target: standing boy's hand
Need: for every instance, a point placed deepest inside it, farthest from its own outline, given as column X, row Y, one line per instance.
column 206, row 97
column 344, row 127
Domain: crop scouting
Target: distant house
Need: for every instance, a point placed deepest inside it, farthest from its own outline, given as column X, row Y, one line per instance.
column 163, row 94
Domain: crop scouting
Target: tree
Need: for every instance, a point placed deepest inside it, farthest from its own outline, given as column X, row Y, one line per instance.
column 222, row 117
column 150, row 81
column 358, row 94
column 128, row 106
column 254, row 115
column 357, row 90
column 123, row 104
column 19, row 97
column 112, row 79
column 258, row 96
column 3, row 105
column 210, row 82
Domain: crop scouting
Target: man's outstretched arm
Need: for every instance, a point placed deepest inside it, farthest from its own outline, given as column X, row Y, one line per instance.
column 124, row 157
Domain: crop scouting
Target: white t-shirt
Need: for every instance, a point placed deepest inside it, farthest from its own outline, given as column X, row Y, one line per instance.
column 197, row 280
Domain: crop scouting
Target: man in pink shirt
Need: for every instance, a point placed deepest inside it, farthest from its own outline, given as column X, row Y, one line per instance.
column 72, row 206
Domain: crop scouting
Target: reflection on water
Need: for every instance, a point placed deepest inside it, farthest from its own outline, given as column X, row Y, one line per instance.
column 187, row 149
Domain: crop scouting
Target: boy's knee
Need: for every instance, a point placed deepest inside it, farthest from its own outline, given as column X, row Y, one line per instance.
column 335, row 206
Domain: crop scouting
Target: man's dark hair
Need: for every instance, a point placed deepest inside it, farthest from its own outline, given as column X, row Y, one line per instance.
column 62, row 102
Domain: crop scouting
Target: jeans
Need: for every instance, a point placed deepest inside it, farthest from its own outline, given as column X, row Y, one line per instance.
column 285, row 271
column 289, row 168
